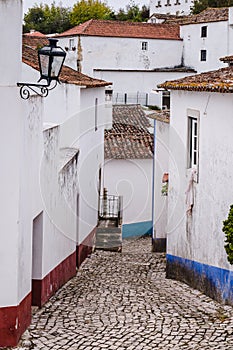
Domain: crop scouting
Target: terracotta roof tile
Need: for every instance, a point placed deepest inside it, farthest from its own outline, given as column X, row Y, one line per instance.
column 220, row 80
column 227, row 59
column 162, row 116
column 125, row 29
column 35, row 33
column 68, row 75
column 209, row 15
column 129, row 137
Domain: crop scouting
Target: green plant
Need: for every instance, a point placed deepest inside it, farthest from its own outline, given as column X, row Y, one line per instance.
column 155, row 108
column 228, row 230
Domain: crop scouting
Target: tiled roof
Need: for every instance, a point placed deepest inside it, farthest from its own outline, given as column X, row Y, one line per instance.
column 125, row 30
column 227, row 59
column 34, row 33
column 162, row 116
column 206, row 16
column 68, row 75
column 129, row 137
column 220, row 80
column 163, row 69
column 167, row 17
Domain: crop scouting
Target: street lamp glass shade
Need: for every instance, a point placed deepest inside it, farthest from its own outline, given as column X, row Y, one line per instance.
column 51, row 59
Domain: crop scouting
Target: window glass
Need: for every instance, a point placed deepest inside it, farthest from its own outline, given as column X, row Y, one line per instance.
column 193, row 145
column 144, row 45
column 204, row 31
column 203, row 55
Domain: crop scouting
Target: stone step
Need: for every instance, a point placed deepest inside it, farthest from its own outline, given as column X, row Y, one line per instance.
column 108, row 230
column 109, row 238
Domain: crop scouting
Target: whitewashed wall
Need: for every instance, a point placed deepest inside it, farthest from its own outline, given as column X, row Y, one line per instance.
column 68, row 114
column 204, row 241
column 122, row 53
column 181, row 7
column 216, row 43
column 161, row 167
column 133, row 82
column 12, row 123
column 30, row 190
column 91, row 142
column 59, row 220
column 132, row 179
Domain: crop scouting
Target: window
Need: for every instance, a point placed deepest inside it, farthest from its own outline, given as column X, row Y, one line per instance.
column 166, row 100
column 108, row 94
column 144, row 45
column 79, row 67
column 96, row 114
column 204, row 32
column 203, row 55
column 71, row 44
column 193, row 142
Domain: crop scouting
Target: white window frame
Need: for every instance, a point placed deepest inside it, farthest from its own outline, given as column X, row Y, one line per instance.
column 193, row 141
column 96, row 113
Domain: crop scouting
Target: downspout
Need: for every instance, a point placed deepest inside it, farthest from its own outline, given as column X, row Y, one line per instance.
column 153, row 188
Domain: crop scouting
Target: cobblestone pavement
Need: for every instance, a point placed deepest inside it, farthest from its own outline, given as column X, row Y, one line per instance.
column 123, row 301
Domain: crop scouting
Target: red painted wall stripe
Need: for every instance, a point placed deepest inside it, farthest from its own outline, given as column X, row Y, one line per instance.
column 43, row 289
column 14, row 320
column 85, row 248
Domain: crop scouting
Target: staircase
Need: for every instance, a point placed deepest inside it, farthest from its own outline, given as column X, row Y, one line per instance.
column 109, row 230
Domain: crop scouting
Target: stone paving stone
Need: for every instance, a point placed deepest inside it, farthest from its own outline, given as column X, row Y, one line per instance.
column 121, row 301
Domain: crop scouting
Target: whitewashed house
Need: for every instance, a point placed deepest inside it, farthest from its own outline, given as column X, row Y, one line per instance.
column 51, row 152
column 200, row 181
column 128, row 167
column 134, row 56
column 161, row 179
column 172, row 7
column 206, row 37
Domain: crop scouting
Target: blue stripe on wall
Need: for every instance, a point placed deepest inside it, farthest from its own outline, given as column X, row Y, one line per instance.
column 213, row 281
column 136, row 229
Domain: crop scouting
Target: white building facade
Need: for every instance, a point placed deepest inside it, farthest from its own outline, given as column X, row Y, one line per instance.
column 200, row 182
column 207, row 36
column 128, row 167
column 51, row 150
column 133, row 56
column 171, row 7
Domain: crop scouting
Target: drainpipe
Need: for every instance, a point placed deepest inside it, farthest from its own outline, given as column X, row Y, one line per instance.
column 153, row 189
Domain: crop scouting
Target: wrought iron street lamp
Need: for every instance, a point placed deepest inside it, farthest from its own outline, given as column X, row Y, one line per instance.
column 51, row 58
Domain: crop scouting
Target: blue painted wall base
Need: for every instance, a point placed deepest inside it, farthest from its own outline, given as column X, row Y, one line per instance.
column 213, row 281
column 137, row 229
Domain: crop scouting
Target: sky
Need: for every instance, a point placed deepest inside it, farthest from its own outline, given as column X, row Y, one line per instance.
column 115, row 4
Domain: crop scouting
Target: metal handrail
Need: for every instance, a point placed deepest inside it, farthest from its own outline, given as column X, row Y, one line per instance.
column 110, row 207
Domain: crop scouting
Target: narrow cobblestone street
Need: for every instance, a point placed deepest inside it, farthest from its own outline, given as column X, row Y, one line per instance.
column 123, row 301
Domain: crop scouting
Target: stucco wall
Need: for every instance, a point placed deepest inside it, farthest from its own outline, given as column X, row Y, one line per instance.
column 216, row 44
column 123, row 53
column 133, row 82
column 132, row 179
column 12, row 122
column 161, row 167
column 199, row 237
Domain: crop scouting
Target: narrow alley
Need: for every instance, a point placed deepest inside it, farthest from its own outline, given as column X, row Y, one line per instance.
column 123, row 301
